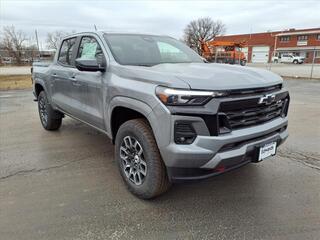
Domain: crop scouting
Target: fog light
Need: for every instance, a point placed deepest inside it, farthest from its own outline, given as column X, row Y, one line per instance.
column 184, row 133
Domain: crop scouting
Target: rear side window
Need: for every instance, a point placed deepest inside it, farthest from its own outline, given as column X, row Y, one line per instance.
column 65, row 55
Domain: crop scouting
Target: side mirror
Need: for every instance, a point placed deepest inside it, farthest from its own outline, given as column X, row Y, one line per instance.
column 90, row 65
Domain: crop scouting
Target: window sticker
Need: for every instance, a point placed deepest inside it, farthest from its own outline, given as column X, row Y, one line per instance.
column 89, row 51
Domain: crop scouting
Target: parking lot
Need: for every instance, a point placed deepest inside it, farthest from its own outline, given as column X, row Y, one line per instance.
column 291, row 70
column 65, row 184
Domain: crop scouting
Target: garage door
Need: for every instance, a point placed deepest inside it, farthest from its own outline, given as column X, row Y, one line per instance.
column 260, row 54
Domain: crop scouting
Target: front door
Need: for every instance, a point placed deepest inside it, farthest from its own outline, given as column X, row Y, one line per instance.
column 285, row 58
column 91, row 82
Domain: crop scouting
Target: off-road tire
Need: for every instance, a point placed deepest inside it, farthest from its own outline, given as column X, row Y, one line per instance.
column 156, row 180
column 53, row 118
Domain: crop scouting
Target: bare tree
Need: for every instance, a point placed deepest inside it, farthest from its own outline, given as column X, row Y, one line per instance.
column 53, row 39
column 13, row 42
column 204, row 29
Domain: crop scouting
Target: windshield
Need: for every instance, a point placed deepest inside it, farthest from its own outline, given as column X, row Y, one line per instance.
column 146, row 50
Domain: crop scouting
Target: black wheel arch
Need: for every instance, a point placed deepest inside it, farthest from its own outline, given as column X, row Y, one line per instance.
column 38, row 88
column 121, row 115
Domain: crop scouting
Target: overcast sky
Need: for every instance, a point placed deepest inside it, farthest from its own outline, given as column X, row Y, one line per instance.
column 159, row 17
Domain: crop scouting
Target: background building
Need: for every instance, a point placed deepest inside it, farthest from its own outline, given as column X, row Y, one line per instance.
column 262, row 46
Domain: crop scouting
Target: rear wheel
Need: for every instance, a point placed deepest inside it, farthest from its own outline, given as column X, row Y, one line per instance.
column 139, row 160
column 50, row 119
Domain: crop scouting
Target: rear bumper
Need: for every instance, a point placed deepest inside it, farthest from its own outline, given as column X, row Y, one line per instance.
column 212, row 155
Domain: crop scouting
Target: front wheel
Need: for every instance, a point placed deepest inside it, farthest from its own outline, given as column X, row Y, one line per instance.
column 50, row 119
column 295, row 61
column 139, row 160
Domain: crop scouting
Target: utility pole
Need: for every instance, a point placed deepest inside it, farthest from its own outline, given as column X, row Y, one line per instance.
column 95, row 27
column 313, row 59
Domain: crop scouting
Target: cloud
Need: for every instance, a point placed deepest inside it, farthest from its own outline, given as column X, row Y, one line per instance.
column 158, row 17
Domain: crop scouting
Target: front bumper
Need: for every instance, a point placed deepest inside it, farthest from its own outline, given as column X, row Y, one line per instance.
column 211, row 155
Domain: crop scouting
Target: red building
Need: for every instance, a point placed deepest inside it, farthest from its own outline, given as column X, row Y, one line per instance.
column 262, row 46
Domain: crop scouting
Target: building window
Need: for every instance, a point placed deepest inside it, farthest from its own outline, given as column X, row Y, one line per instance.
column 317, row 54
column 285, row 39
column 302, row 38
column 318, row 37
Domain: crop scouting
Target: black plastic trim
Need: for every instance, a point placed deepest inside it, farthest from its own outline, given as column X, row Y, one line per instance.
column 212, row 116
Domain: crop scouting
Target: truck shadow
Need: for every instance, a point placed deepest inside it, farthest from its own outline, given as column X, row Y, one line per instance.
column 238, row 181
column 235, row 192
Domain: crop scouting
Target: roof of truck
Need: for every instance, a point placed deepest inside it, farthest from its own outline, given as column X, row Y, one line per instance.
column 101, row 32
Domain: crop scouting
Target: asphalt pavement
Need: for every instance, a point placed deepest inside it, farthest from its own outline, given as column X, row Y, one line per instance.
column 65, row 184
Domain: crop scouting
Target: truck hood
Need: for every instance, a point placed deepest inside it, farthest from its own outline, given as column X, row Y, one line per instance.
column 205, row 76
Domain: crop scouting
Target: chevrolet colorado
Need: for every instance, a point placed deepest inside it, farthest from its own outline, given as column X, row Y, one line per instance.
column 171, row 116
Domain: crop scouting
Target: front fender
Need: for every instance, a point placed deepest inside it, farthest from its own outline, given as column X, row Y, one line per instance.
column 127, row 102
column 156, row 124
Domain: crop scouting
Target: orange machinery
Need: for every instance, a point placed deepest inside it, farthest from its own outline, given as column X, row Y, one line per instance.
column 223, row 52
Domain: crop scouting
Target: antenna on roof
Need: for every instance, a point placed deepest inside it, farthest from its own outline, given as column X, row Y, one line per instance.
column 95, row 27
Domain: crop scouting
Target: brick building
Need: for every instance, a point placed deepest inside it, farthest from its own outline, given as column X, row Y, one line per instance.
column 262, row 46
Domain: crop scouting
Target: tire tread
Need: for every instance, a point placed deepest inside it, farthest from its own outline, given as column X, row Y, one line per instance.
column 160, row 181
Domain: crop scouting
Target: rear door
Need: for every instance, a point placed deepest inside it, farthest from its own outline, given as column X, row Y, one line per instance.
column 285, row 58
column 92, row 100
column 62, row 74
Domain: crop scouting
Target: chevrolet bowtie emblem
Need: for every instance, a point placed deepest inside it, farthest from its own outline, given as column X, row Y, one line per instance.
column 267, row 99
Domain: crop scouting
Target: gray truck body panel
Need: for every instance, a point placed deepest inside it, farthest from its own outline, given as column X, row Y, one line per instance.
column 92, row 96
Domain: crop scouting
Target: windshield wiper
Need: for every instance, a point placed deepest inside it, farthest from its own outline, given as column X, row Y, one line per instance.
column 170, row 63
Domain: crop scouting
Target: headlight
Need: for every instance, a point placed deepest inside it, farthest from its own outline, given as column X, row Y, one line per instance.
column 171, row 96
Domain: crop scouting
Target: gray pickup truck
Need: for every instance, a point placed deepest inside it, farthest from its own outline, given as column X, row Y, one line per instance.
column 171, row 116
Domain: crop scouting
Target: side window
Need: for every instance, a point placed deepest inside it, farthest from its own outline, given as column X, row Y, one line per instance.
column 90, row 49
column 65, row 55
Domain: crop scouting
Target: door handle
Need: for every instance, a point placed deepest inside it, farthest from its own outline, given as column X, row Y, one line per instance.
column 74, row 81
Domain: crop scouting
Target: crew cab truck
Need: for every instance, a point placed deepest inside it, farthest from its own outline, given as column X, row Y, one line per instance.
column 171, row 116
column 288, row 58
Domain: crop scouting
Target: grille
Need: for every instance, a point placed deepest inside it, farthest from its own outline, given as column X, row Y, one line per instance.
column 252, row 91
column 184, row 128
column 249, row 112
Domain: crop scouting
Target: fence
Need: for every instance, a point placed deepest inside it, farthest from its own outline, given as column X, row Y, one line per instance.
column 24, row 57
column 292, row 64
column 299, row 64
